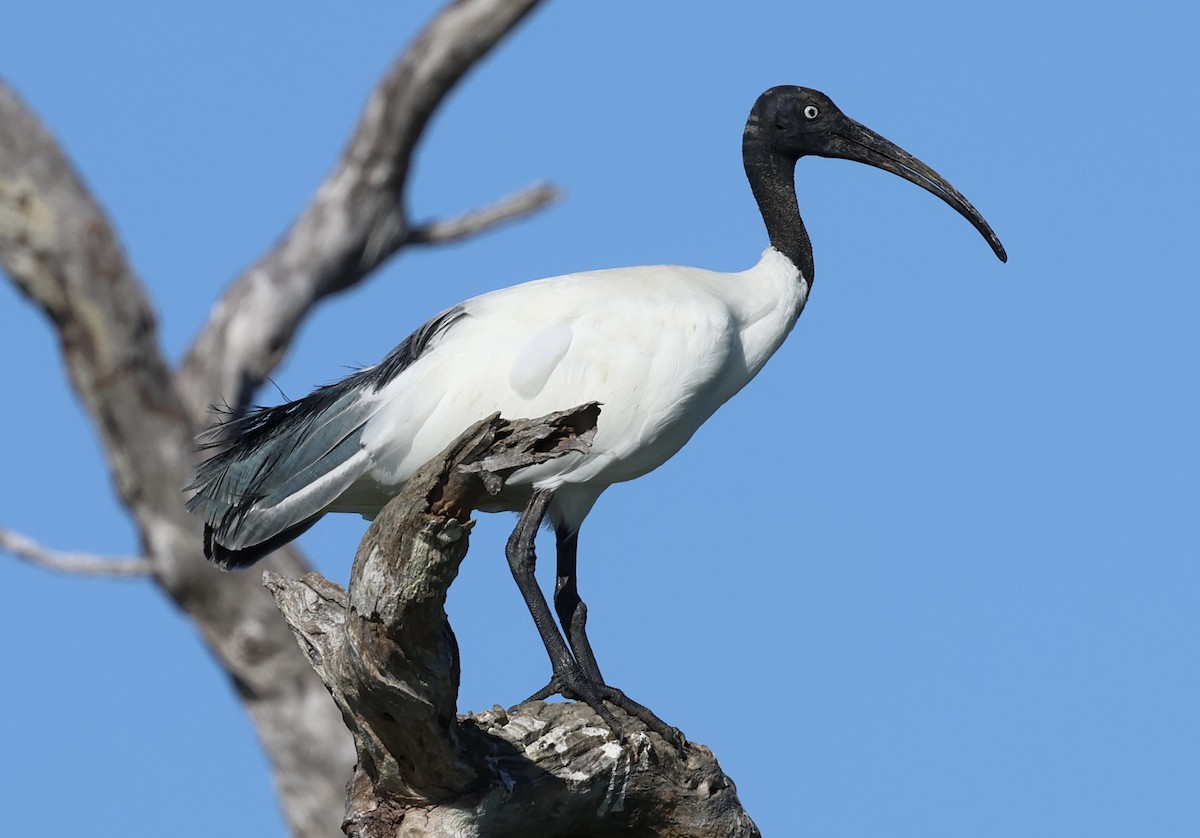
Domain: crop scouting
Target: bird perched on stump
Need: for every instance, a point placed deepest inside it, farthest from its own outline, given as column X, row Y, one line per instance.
column 660, row 347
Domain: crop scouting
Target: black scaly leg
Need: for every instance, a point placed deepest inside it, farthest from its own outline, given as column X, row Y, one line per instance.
column 572, row 612
column 575, row 676
column 568, row 677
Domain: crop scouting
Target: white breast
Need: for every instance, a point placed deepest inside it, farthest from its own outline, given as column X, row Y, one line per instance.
column 661, row 348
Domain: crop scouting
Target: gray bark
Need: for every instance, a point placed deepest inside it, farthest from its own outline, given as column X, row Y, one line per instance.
column 387, row 654
column 59, row 249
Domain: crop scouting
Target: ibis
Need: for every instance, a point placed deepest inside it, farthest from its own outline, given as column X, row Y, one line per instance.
column 659, row 347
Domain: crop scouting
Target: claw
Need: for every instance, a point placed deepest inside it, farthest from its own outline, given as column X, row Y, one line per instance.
column 573, row 685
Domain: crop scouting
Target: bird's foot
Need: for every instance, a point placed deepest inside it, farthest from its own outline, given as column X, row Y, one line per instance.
column 648, row 717
column 572, row 684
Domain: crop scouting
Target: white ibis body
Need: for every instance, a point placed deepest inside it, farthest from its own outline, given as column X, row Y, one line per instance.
column 660, row 347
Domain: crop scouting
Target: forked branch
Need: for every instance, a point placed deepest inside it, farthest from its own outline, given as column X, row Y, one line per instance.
column 62, row 252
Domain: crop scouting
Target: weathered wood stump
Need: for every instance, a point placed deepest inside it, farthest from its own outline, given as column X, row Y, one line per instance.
column 387, row 654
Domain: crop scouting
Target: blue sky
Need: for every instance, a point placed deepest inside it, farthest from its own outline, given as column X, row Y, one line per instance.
column 934, row 573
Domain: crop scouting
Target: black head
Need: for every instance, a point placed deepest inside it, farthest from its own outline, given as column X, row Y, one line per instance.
column 795, row 121
column 792, row 122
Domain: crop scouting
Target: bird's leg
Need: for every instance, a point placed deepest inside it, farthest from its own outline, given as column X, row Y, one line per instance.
column 572, row 612
column 568, row 677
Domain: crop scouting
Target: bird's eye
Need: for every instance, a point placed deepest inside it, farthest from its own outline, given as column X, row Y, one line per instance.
column 811, row 112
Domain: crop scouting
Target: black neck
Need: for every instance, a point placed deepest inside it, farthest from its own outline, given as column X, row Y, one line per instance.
column 773, row 181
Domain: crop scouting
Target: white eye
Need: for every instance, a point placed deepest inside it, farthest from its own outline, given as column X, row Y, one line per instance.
column 811, row 112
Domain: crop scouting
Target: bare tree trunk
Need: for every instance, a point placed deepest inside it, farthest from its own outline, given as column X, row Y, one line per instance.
column 387, row 654
column 59, row 249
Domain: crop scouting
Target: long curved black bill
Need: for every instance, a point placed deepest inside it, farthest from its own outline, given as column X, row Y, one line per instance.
column 854, row 141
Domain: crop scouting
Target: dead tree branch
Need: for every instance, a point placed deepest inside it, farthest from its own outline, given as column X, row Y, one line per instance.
column 387, row 654
column 61, row 252
column 474, row 222
column 81, row 564
column 59, row 249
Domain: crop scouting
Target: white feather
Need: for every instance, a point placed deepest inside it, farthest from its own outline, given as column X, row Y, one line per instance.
column 661, row 347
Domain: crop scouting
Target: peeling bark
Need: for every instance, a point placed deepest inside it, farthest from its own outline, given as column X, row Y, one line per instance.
column 387, row 654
